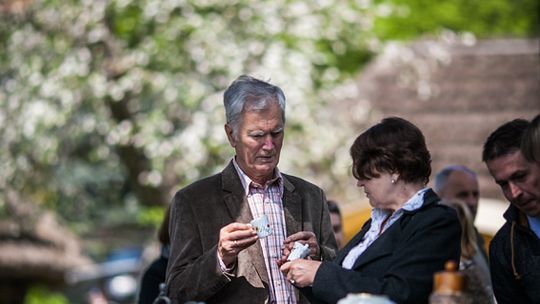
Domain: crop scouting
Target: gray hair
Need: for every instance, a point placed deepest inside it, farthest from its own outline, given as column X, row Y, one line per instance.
column 441, row 178
column 250, row 90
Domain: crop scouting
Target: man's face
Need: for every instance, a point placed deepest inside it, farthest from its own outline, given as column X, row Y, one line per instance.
column 513, row 173
column 463, row 186
column 258, row 142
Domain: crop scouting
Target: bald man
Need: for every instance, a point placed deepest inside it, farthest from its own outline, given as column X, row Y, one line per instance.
column 459, row 182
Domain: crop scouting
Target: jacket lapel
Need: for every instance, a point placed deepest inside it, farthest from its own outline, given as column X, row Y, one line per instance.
column 352, row 243
column 382, row 246
column 238, row 208
column 292, row 208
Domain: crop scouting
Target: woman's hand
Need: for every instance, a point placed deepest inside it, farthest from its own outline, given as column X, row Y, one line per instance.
column 301, row 273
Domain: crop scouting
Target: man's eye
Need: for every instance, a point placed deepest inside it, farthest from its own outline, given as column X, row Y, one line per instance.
column 520, row 178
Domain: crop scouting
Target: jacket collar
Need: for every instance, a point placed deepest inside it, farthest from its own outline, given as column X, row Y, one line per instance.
column 513, row 214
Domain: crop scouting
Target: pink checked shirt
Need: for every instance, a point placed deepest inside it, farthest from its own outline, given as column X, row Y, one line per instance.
column 267, row 199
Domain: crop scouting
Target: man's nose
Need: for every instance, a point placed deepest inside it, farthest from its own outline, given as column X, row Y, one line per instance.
column 515, row 191
column 268, row 143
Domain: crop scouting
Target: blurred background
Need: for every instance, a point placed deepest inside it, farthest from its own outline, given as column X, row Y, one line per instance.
column 109, row 107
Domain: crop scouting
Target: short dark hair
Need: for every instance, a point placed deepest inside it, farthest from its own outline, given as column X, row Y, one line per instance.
column 505, row 140
column 333, row 207
column 393, row 146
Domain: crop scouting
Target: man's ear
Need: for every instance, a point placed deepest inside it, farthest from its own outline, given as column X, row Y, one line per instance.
column 230, row 135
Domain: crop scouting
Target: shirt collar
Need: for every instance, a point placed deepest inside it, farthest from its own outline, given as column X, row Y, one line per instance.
column 415, row 202
column 247, row 182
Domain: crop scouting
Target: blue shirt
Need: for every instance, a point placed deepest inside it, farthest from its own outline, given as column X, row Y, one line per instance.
column 534, row 223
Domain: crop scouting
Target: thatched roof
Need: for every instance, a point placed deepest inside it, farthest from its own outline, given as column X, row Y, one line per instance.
column 456, row 91
column 34, row 246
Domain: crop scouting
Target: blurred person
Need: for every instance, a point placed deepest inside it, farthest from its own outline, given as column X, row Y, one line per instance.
column 336, row 220
column 216, row 255
column 459, row 182
column 515, row 248
column 410, row 235
column 154, row 275
column 530, row 144
column 472, row 262
column 530, row 147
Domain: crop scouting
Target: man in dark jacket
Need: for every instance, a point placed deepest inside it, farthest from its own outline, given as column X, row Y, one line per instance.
column 515, row 249
column 216, row 254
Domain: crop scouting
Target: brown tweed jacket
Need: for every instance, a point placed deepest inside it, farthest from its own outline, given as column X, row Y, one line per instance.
column 201, row 209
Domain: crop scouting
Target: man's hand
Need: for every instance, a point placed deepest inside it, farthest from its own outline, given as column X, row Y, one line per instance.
column 234, row 238
column 301, row 273
column 304, row 237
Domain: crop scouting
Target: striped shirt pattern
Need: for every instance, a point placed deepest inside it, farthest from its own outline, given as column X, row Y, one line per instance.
column 267, row 199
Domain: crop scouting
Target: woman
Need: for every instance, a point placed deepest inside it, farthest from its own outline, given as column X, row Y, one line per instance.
column 472, row 263
column 409, row 236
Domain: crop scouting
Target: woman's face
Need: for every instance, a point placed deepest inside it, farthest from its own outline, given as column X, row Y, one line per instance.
column 380, row 190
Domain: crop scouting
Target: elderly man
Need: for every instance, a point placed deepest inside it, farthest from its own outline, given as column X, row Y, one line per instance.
column 459, row 182
column 216, row 255
column 515, row 249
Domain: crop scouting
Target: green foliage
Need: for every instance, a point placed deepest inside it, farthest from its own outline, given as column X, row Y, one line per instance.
column 407, row 19
column 108, row 107
column 41, row 295
column 151, row 216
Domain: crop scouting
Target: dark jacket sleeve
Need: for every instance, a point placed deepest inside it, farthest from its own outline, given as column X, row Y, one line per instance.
column 405, row 274
column 193, row 272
